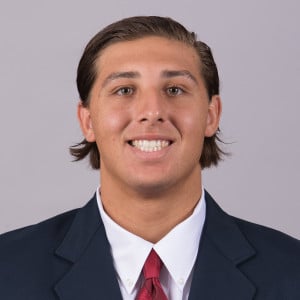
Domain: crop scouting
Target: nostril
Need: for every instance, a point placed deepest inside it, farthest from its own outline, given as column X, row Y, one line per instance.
column 151, row 120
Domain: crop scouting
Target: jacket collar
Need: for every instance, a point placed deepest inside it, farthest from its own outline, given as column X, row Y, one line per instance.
column 85, row 246
column 222, row 249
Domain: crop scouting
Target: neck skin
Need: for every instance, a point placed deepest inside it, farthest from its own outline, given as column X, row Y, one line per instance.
column 150, row 216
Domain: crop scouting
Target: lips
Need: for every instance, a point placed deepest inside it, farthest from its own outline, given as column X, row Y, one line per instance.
column 150, row 145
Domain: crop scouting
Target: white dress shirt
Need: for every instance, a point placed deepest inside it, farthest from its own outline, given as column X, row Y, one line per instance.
column 177, row 250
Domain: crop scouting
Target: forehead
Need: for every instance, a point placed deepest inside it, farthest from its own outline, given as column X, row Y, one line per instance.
column 151, row 52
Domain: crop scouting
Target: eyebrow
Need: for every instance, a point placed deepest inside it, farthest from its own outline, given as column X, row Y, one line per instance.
column 179, row 73
column 117, row 75
column 164, row 74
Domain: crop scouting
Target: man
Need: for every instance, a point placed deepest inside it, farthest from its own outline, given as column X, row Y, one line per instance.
column 149, row 111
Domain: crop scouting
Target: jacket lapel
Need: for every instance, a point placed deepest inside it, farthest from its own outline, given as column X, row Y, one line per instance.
column 216, row 273
column 91, row 275
column 222, row 249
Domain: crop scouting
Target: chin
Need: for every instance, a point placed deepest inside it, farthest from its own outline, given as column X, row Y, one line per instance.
column 152, row 188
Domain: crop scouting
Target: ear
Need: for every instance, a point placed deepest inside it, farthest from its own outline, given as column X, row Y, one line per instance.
column 214, row 115
column 84, row 118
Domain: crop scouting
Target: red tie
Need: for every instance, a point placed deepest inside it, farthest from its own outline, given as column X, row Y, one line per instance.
column 151, row 289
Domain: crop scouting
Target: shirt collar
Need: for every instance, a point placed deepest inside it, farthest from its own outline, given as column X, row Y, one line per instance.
column 130, row 252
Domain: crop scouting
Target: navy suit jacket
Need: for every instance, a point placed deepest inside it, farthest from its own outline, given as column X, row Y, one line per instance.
column 68, row 258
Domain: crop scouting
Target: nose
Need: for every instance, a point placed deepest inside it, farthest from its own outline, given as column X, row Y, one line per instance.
column 151, row 108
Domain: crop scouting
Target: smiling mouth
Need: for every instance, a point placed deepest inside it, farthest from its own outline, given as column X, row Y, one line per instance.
column 150, row 145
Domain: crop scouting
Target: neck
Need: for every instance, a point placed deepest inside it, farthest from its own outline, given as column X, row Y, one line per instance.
column 150, row 216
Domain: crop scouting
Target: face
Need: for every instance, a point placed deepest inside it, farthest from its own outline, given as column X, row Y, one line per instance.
column 149, row 113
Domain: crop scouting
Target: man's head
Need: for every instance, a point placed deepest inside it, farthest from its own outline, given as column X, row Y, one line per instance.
column 132, row 29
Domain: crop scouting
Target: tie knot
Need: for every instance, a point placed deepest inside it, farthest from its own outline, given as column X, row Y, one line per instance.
column 152, row 266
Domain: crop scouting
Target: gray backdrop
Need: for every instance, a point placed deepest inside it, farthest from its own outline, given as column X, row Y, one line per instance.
column 256, row 45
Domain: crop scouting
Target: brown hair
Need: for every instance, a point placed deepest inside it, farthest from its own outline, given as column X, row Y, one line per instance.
column 131, row 29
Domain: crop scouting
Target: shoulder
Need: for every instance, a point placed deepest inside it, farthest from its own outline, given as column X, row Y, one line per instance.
column 276, row 259
column 276, row 243
column 24, row 242
column 264, row 238
column 261, row 238
column 27, row 257
column 268, row 257
column 30, row 258
column 276, row 262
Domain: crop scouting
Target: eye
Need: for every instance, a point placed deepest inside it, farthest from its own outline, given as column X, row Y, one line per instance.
column 125, row 91
column 174, row 91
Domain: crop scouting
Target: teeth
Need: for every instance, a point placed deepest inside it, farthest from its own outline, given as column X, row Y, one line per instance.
column 150, row 146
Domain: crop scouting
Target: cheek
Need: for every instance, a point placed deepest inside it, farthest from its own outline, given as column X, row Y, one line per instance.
column 109, row 123
column 192, row 122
